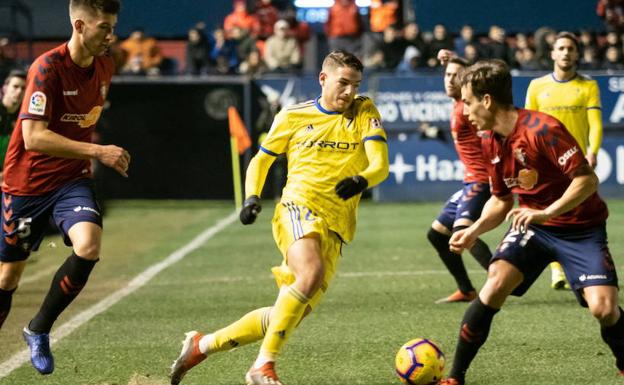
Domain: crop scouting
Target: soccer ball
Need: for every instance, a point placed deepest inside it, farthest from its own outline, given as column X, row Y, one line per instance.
column 420, row 362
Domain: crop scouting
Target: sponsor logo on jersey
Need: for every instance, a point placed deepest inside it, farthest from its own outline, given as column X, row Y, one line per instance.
column 83, row 120
column 309, row 128
column 103, row 90
column 37, row 104
column 78, row 209
column 329, row 145
column 567, row 155
column 70, row 93
column 585, row 277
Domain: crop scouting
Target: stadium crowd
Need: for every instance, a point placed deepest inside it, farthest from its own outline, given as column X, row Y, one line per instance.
column 268, row 38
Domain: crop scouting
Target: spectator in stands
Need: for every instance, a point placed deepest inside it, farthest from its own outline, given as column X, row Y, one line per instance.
column 440, row 40
column 590, row 60
column 375, row 61
column 544, row 40
column 343, row 27
column 392, row 46
column 466, row 36
column 471, row 53
column 496, row 46
column 383, row 15
column 611, row 40
column 253, row 65
column 413, row 38
column 525, row 60
column 612, row 12
column 411, row 62
column 613, row 59
column 223, row 54
column 245, row 44
column 142, row 54
column 197, row 52
column 267, row 15
column 300, row 30
column 281, row 52
column 587, row 38
column 241, row 18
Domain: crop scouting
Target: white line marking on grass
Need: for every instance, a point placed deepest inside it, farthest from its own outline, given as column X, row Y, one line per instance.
column 37, row 275
column 139, row 281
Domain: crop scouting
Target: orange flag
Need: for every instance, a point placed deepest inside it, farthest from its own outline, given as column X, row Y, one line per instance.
column 238, row 130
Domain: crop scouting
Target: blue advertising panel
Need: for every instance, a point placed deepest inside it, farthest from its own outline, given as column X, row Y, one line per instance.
column 429, row 169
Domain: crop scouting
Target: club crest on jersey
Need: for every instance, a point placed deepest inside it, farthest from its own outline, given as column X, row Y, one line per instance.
column 37, row 103
column 375, row 123
column 520, row 155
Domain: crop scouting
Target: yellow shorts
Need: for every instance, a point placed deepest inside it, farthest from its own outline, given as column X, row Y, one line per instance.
column 292, row 222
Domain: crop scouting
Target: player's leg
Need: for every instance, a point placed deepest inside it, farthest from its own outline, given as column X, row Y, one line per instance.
column 76, row 213
column 10, row 273
column 468, row 211
column 512, row 271
column 603, row 305
column 439, row 235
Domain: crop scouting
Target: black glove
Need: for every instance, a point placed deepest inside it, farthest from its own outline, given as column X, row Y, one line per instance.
column 351, row 186
column 251, row 209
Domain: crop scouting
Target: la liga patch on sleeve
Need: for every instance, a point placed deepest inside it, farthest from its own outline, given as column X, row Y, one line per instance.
column 37, row 104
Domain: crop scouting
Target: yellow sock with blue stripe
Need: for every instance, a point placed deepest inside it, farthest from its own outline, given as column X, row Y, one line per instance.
column 287, row 313
column 249, row 328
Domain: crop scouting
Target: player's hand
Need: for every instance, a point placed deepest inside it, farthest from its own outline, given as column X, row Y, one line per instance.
column 523, row 216
column 251, row 209
column 591, row 159
column 114, row 157
column 462, row 239
column 351, row 186
column 444, row 55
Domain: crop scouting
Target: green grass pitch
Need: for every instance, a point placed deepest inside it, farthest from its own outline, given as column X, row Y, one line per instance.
column 382, row 296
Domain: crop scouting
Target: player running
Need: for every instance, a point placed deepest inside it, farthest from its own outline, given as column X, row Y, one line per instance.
column 336, row 148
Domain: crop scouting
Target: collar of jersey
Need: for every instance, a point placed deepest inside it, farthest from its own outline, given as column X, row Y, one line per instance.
column 318, row 105
column 552, row 74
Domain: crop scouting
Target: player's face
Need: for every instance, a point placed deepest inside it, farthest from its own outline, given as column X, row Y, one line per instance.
column 564, row 54
column 339, row 86
column 476, row 110
column 451, row 81
column 97, row 32
column 14, row 91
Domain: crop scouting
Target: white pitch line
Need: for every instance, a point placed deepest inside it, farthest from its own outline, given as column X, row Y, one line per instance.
column 37, row 275
column 139, row 281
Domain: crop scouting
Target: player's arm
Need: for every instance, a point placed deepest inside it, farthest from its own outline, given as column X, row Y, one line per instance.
column 493, row 214
column 530, row 102
column 37, row 137
column 254, row 182
column 377, row 170
column 594, row 120
column 583, row 185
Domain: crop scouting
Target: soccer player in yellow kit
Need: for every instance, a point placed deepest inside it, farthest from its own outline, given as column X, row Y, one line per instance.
column 574, row 100
column 336, row 148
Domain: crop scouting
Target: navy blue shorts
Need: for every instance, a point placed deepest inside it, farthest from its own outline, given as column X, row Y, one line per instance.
column 25, row 218
column 466, row 203
column 583, row 254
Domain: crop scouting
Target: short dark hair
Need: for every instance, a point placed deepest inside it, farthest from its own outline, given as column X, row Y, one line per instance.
column 17, row 73
column 341, row 58
column 568, row 35
column 106, row 6
column 489, row 77
column 458, row 60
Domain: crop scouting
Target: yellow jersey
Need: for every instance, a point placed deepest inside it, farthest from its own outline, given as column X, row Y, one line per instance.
column 322, row 148
column 575, row 103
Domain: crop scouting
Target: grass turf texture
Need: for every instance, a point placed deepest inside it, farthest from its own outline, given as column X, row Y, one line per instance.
column 383, row 296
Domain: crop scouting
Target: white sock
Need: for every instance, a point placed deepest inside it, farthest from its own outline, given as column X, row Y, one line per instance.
column 205, row 342
column 261, row 360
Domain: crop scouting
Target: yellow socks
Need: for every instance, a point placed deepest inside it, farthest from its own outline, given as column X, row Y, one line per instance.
column 250, row 328
column 287, row 313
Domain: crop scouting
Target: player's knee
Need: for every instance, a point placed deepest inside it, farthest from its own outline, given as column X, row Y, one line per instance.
column 604, row 309
column 437, row 239
column 87, row 250
column 9, row 276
